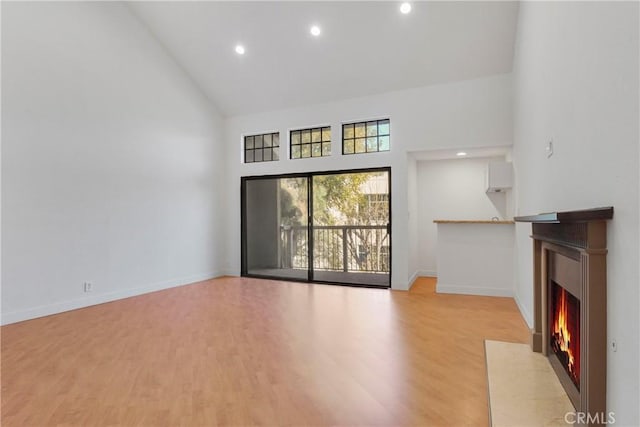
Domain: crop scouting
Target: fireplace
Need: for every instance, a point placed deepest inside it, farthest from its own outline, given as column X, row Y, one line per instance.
column 570, row 304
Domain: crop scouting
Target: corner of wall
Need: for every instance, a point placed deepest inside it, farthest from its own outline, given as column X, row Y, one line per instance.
column 526, row 315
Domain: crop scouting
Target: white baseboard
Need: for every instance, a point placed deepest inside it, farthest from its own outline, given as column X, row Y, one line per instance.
column 528, row 318
column 412, row 280
column 228, row 273
column 420, row 273
column 62, row 306
column 427, row 273
column 473, row 290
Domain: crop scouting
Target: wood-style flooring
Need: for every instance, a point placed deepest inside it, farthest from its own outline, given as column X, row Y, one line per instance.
column 235, row 351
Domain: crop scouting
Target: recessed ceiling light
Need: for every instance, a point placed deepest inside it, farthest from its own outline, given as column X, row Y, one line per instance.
column 405, row 8
column 240, row 49
column 461, row 154
column 315, row 30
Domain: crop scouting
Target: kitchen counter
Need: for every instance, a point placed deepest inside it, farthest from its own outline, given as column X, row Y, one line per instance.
column 475, row 259
column 471, row 221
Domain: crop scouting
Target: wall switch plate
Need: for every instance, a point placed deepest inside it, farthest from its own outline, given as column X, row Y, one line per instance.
column 549, row 148
column 614, row 346
column 88, row 286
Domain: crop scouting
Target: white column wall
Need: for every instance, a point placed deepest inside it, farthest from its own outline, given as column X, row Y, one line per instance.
column 576, row 83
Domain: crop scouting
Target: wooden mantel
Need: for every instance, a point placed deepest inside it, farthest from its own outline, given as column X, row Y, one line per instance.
column 585, row 215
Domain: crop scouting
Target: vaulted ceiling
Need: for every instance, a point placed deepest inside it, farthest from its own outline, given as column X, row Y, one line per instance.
column 364, row 48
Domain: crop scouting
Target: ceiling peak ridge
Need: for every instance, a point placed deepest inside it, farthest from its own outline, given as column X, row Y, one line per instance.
column 203, row 93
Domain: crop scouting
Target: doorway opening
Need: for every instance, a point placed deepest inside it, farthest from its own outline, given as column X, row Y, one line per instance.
column 329, row 227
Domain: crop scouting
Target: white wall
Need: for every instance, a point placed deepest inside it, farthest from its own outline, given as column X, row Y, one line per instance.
column 576, row 81
column 475, row 113
column 412, row 190
column 110, row 164
column 452, row 189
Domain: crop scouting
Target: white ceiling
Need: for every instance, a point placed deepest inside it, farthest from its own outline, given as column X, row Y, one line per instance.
column 365, row 47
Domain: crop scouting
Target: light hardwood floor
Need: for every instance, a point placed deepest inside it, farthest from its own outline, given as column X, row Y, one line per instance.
column 234, row 351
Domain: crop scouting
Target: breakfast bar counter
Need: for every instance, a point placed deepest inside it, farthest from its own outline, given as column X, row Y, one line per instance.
column 475, row 257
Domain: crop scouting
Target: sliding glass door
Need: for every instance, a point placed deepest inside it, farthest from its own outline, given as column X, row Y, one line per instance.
column 351, row 228
column 322, row 227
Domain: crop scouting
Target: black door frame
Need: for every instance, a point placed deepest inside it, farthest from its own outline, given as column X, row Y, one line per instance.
column 310, row 249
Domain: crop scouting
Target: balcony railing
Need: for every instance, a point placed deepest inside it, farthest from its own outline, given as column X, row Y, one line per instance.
column 346, row 248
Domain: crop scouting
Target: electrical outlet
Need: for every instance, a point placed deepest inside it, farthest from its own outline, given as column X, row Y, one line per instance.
column 88, row 286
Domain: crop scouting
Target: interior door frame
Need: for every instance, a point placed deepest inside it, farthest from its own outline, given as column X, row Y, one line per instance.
column 310, row 248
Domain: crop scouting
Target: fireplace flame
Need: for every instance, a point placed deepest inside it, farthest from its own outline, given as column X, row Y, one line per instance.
column 561, row 328
column 562, row 335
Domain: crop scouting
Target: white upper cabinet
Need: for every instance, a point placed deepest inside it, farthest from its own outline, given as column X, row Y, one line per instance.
column 498, row 177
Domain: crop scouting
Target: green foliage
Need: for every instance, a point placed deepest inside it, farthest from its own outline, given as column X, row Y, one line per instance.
column 293, row 201
column 337, row 198
column 290, row 214
column 356, row 199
